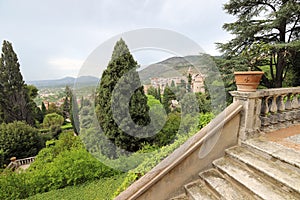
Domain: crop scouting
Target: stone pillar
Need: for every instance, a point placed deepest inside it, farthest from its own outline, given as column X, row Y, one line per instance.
column 250, row 118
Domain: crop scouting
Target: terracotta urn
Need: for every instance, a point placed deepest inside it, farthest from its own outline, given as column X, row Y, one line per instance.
column 247, row 81
column 13, row 159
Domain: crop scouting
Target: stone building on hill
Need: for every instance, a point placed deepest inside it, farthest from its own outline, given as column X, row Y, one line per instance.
column 197, row 82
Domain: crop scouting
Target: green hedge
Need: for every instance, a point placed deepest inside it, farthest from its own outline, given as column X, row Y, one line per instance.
column 66, row 163
column 96, row 190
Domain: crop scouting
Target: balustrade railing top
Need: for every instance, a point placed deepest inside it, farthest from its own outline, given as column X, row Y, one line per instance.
column 267, row 92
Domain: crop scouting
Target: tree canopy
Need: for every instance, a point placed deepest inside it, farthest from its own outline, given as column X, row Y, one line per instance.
column 266, row 33
column 16, row 98
column 121, row 68
column 19, row 139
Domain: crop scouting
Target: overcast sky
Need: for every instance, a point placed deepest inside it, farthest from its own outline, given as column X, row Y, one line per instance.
column 52, row 38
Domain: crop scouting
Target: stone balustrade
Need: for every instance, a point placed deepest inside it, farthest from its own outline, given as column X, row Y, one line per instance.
column 280, row 109
column 25, row 161
column 14, row 164
column 268, row 109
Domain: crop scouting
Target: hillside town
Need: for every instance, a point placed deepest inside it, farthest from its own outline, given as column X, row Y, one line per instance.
column 197, row 82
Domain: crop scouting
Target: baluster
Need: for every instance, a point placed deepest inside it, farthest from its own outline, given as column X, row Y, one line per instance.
column 288, row 103
column 273, row 108
column 288, row 109
column 265, row 106
column 280, row 104
column 273, row 111
column 281, row 110
column 265, row 121
column 295, row 106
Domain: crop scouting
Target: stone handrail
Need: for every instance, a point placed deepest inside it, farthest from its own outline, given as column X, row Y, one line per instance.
column 193, row 156
column 268, row 109
column 17, row 163
column 25, row 161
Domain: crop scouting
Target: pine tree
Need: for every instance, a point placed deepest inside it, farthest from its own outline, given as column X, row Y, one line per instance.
column 15, row 101
column 122, row 66
column 266, row 34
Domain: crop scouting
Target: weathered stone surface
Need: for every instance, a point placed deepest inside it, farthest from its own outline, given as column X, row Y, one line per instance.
column 279, row 172
column 223, row 186
column 198, row 191
column 294, row 138
column 180, row 197
column 256, row 184
column 276, row 150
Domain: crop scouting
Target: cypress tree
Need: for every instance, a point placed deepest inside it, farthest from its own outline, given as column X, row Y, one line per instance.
column 15, row 102
column 168, row 96
column 158, row 94
column 121, row 63
column 189, row 86
column 44, row 110
column 172, row 84
column 74, row 116
column 66, row 106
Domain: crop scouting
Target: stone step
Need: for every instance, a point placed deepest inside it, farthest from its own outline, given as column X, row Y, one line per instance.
column 198, row 191
column 180, row 197
column 223, row 187
column 250, row 180
column 275, row 150
column 279, row 172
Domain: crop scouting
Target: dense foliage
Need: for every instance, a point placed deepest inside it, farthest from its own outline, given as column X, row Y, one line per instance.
column 112, row 96
column 266, row 34
column 159, row 154
column 16, row 98
column 64, row 162
column 70, row 109
column 102, row 189
column 53, row 119
column 155, row 92
column 168, row 96
column 19, row 140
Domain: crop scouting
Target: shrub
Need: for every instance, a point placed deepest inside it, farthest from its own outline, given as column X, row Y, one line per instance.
column 169, row 131
column 151, row 101
column 13, row 186
column 204, row 119
column 53, row 119
column 20, row 140
column 64, row 163
column 70, row 167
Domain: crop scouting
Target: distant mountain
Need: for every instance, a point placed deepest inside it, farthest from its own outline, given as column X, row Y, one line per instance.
column 80, row 81
column 171, row 67
column 176, row 66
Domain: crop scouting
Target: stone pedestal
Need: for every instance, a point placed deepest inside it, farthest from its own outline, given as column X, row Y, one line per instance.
column 250, row 120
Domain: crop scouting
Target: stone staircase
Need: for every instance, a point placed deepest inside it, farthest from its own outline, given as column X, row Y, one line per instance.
column 257, row 169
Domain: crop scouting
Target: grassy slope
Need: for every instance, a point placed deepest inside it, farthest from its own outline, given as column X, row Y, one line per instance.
column 96, row 190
